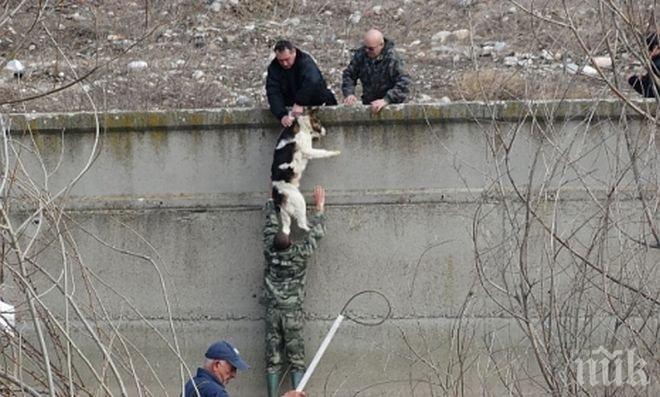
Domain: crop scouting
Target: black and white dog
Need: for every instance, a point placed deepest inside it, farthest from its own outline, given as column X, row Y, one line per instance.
column 293, row 150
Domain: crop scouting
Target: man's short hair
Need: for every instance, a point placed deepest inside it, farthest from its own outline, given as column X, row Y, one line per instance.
column 282, row 241
column 282, row 45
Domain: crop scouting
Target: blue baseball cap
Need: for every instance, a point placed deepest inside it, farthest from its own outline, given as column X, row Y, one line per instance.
column 223, row 350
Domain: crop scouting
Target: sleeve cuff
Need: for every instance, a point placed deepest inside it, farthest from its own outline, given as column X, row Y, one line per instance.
column 280, row 115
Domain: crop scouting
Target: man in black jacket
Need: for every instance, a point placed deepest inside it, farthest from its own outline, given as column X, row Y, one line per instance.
column 294, row 80
column 645, row 83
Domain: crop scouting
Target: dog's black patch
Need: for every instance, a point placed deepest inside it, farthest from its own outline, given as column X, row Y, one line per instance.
column 283, row 155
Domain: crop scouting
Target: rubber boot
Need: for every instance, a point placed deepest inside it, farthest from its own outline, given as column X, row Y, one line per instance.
column 273, row 384
column 296, row 377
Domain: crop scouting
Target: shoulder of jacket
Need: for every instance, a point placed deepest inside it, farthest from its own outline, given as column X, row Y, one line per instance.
column 392, row 55
column 304, row 57
column 274, row 66
column 358, row 53
column 390, row 49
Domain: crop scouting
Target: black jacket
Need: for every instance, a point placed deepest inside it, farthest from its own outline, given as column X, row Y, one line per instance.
column 382, row 78
column 303, row 84
column 644, row 83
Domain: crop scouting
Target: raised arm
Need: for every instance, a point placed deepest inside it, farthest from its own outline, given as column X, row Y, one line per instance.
column 272, row 224
column 306, row 248
column 349, row 77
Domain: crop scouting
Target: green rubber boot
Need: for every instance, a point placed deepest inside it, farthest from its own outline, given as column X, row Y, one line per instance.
column 296, row 377
column 273, row 383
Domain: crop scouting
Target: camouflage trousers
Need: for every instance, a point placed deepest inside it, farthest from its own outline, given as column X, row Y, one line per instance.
column 284, row 334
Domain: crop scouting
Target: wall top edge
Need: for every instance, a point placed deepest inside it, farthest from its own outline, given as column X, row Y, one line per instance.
column 410, row 113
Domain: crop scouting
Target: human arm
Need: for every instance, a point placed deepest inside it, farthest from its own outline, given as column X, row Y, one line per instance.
column 274, row 95
column 349, row 79
column 308, row 245
column 402, row 82
column 378, row 104
column 297, row 110
column 271, row 225
column 293, row 393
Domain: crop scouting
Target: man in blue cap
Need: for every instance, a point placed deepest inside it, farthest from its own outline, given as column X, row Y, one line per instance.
column 222, row 362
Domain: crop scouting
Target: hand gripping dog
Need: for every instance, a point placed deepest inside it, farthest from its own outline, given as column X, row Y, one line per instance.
column 293, row 151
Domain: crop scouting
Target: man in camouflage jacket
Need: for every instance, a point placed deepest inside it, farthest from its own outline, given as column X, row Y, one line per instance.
column 284, row 291
column 381, row 71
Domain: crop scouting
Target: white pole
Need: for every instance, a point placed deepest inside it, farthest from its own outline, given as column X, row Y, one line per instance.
column 319, row 353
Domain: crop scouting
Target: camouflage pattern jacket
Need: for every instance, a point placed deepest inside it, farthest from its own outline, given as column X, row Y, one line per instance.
column 284, row 277
column 382, row 78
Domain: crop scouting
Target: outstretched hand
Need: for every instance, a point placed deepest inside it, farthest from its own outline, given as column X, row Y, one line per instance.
column 297, row 110
column 350, row 100
column 319, row 198
column 287, row 121
column 294, row 393
column 377, row 105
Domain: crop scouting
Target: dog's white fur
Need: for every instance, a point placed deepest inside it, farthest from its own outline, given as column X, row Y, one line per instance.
column 295, row 205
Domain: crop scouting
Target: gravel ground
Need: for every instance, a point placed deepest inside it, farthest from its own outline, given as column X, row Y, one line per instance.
column 201, row 54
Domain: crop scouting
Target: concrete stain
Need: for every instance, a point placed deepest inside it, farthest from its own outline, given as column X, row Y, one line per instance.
column 449, row 281
column 243, row 142
column 159, row 139
column 120, row 146
column 197, row 119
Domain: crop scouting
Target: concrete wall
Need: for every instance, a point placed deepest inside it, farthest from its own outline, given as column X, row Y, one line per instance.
column 401, row 199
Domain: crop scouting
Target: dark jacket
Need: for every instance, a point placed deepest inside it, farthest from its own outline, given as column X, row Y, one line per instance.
column 382, row 78
column 644, row 84
column 207, row 385
column 303, row 84
column 284, row 277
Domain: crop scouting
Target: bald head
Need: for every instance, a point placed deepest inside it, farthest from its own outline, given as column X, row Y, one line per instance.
column 373, row 43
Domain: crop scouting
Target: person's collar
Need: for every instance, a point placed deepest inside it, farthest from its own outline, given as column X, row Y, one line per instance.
column 298, row 55
column 203, row 373
column 380, row 56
